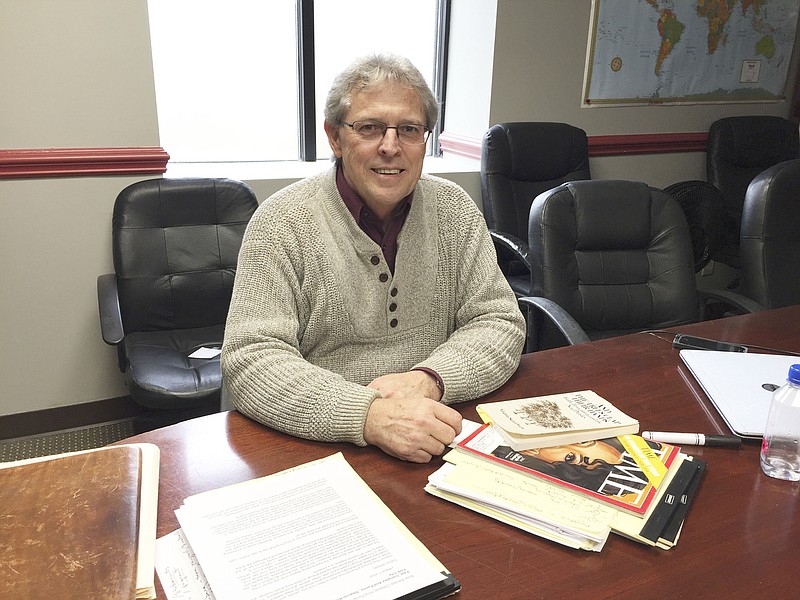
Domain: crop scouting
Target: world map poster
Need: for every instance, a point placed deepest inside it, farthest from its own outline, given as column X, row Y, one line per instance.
column 689, row 51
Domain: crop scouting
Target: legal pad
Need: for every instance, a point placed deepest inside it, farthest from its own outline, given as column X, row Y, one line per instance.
column 740, row 385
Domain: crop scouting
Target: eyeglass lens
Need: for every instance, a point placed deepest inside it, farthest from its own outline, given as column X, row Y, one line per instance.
column 409, row 133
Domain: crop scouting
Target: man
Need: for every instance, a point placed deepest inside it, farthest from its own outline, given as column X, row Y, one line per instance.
column 368, row 298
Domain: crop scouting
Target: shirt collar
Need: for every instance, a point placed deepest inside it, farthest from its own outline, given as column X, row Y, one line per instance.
column 354, row 202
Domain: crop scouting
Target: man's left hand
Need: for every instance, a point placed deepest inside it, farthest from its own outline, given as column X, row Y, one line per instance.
column 408, row 421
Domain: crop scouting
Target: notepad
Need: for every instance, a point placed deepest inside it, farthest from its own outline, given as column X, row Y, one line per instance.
column 739, row 385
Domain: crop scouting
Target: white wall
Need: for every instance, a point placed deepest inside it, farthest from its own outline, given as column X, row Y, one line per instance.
column 78, row 74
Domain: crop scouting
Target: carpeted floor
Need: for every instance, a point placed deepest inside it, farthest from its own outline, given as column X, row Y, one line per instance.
column 69, row 440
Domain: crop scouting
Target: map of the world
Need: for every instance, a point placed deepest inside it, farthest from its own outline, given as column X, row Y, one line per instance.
column 660, row 51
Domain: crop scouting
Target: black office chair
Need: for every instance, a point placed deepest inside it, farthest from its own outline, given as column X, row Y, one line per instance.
column 608, row 258
column 770, row 236
column 518, row 162
column 738, row 149
column 175, row 246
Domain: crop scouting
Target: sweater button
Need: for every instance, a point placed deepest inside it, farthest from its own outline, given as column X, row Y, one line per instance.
column 393, row 323
column 383, row 277
column 393, row 292
column 392, row 307
column 375, row 260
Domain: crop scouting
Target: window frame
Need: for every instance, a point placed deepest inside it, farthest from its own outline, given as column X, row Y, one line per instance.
column 306, row 76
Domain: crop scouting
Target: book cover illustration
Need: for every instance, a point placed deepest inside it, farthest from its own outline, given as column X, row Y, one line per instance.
column 624, row 471
column 560, row 418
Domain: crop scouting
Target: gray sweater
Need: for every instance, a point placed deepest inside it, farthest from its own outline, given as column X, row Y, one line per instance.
column 316, row 314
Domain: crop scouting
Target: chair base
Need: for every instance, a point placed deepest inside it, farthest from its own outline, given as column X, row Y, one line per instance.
column 147, row 418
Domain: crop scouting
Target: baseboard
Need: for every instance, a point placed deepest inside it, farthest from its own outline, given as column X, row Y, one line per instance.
column 66, row 417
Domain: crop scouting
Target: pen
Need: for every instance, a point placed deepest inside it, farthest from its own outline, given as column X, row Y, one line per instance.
column 693, row 439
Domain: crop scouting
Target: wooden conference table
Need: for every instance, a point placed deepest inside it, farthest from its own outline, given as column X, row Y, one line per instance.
column 741, row 537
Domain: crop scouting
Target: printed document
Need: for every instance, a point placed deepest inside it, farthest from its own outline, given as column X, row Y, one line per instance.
column 315, row 531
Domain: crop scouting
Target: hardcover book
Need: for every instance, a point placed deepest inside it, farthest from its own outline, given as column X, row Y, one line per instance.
column 557, row 419
column 624, row 471
column 80, row 525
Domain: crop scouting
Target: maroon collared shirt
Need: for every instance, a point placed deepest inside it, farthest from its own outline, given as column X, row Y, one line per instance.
column 386, row 239
column 369, row 223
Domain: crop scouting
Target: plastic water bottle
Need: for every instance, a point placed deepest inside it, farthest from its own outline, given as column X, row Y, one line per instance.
column 780, row 448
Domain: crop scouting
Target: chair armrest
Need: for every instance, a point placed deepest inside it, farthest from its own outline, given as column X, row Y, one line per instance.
column 512, row 244
column 736, row 302
column 110, row 315
column 567, row 326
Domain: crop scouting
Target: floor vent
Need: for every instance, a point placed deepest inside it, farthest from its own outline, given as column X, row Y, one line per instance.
column 68, row 440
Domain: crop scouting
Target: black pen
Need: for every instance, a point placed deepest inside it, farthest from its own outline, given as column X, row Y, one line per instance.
column 693, row 439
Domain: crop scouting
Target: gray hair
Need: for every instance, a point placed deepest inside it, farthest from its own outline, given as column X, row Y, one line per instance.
column 373, row 70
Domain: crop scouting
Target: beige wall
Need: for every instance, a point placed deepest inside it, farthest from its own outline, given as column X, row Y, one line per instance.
column 78, row 74
column 72, row 74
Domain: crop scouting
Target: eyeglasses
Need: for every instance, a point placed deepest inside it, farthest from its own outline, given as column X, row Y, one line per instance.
column 412, row 134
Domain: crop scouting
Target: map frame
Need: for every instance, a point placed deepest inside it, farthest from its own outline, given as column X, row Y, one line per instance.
column 748, row 71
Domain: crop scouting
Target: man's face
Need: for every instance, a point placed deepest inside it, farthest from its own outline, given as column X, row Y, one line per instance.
column 383, row 171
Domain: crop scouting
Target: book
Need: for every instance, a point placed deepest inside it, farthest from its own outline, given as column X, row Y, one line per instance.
column 77, row 525
column 666, row 510
column 665, row 524
column 555, row 513
column 557, row 419
column 623, row 471
column 313, row 531
column 670, row 532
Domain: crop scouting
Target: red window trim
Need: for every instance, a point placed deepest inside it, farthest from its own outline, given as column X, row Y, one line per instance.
column 87, row 162
column 600, row 145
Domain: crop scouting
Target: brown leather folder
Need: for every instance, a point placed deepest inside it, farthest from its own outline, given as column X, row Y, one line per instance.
column 69, row 526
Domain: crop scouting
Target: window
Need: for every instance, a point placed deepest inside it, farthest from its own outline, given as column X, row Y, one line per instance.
column 227, row 75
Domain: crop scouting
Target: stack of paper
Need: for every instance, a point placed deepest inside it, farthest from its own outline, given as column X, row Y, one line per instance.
column 315, row 531
column 574, row 494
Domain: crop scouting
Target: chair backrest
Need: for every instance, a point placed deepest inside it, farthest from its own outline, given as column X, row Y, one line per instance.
column 521, row 160
column 616, row 255
column 770, row 236
column 175, row 246
column 738, row 149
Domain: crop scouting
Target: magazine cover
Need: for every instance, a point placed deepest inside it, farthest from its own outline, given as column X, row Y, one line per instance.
column 625, row 471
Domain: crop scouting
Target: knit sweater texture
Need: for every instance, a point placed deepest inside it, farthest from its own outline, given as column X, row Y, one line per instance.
column 316, row 314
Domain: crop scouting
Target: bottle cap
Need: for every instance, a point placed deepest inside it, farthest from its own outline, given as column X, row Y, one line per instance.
column 794, row 374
